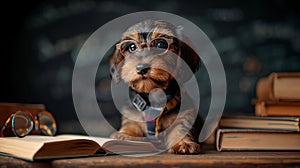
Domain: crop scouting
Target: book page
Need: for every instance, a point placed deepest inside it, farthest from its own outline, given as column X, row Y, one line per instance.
column 28, row 146
column 20, row 147
column 115, row 145
column 287, row 88
column 99, row 140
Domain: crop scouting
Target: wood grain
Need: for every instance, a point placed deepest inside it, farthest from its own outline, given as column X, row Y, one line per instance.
column 210, row 158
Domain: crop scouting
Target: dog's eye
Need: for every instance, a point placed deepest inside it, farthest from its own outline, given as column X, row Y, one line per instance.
column 132, row 47
column 161, row 43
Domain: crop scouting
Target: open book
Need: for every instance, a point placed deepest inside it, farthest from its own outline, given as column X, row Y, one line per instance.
column 36, row 147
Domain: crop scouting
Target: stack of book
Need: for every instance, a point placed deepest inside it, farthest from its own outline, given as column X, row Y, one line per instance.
column 275, row 122
column 278, row 95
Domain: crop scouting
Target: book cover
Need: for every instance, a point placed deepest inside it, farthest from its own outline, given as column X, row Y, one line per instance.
column 279, row 86
column 255, row 122
column 6, row 109
column 277, row 108
column 254, row 139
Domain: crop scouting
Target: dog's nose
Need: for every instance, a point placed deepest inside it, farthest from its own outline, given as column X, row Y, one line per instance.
column 142, row 69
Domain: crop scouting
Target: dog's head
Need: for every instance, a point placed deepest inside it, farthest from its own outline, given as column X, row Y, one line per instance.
column 148, row 56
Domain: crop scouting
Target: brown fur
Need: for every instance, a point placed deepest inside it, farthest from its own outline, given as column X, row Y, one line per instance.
column 156, row 77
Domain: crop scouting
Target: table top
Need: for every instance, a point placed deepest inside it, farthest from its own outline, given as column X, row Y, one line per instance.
column 210, row 158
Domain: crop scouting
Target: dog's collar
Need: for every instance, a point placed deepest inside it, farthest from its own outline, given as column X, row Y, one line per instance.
column 141, row 100
column 151, row 114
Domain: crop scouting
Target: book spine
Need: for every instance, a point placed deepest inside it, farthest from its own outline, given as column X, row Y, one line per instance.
column 260, row 109
column 264, row 88
column 264, row 109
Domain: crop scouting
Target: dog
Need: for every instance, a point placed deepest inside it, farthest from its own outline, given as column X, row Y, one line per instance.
column 148, row 59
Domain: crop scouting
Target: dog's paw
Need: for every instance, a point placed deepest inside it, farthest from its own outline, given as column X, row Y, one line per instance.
column 118, row 135
column 126, row 136
column 184, row 147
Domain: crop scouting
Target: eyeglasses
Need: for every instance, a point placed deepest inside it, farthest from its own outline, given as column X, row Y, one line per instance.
column 159, row 46
column 22, row 123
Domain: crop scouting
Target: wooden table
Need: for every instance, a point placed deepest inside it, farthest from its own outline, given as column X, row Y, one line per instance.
column 210, row 158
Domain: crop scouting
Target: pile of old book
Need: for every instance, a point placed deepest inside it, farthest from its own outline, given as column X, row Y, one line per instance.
column 275, row 122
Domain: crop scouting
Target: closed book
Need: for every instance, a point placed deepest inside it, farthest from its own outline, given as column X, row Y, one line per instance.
column 277, row 108
column 279, row 86
column 255, row 139
column 6, row 109
column 255, row 122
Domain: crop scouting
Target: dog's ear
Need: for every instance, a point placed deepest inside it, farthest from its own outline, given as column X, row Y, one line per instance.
column 191, row 58
column 115, row 59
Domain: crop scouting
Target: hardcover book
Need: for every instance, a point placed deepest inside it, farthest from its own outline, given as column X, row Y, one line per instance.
column 36, row 147
column 255, row 122
column 277, row 108
column 6, row 109
column 279, row 86
column 254, row 139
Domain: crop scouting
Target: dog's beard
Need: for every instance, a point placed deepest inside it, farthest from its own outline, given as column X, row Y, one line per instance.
column 155, row 79
column 158, row 75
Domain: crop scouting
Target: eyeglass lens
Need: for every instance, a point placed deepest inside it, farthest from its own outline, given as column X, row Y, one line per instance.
column 158, row 46
column 47, row 123
column 22, row 123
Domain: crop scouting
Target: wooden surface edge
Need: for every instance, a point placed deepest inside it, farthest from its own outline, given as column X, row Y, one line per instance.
column 210, row 158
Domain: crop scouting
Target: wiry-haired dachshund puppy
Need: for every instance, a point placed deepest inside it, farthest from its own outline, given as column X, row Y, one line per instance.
column 149, row 59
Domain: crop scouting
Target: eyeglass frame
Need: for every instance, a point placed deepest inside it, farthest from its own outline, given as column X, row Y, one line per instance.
column 34, row 119
column 139, row 45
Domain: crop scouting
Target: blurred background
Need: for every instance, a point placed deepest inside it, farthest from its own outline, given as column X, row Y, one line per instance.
column 41, row 39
